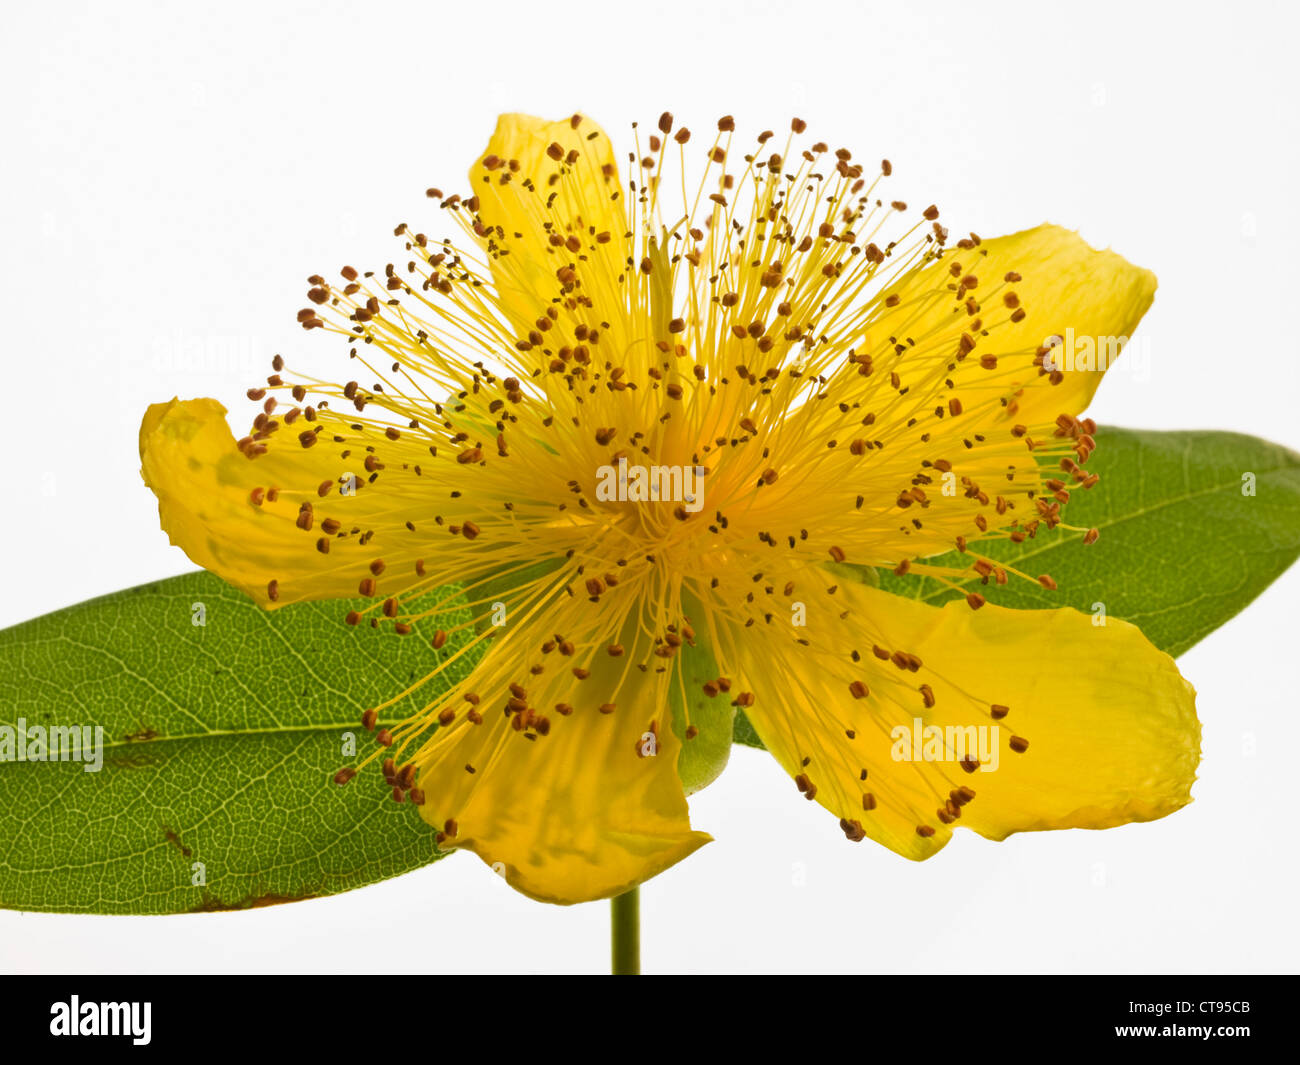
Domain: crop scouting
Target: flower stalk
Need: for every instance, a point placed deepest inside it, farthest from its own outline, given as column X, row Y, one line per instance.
column 625, row 933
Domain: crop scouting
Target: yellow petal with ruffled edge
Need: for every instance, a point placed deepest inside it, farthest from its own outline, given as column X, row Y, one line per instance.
column 1060, row 722
column 1029, row 287
column 584, row 802
column 945, row 400
column 244, row 519
column 549, row 201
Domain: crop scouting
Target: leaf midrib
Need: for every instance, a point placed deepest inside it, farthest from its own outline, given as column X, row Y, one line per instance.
column 283, row 730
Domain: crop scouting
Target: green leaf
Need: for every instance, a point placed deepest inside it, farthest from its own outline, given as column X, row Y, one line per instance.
column 1182, row 548
column 219, row 743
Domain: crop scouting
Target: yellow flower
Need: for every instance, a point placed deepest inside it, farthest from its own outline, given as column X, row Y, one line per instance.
column 663, row 439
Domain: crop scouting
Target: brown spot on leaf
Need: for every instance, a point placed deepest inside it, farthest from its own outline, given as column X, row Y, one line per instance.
column 175, row 841
column 144, row 735
column 248, row 902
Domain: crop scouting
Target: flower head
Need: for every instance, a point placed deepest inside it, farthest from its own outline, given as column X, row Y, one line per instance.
column 659, row 433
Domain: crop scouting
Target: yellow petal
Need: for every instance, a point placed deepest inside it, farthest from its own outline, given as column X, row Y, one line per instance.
column 586, row 811
column 932, row 385
column 527, row 196
column 1064, row 285
column 1110, row 724
column 206, row 489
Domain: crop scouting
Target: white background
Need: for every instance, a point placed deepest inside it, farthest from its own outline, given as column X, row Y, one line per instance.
column 172, row 173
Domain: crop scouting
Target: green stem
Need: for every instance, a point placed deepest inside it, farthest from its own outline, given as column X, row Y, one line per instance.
column 625, row 933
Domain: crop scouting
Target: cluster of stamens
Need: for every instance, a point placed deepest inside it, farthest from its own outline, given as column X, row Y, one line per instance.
column 789, row 330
